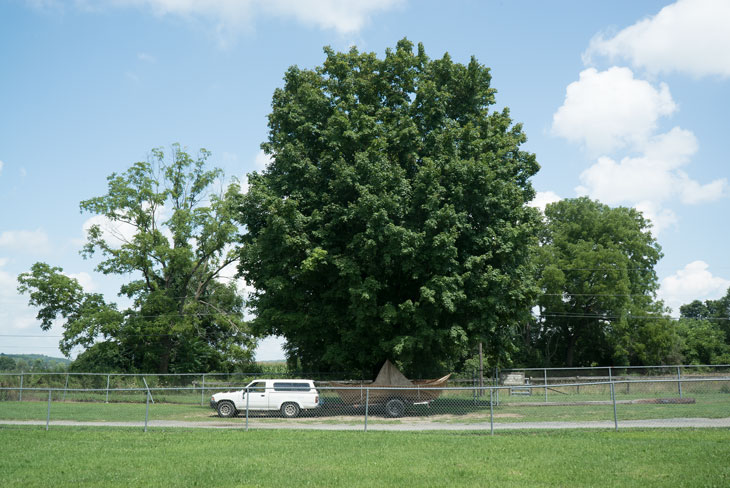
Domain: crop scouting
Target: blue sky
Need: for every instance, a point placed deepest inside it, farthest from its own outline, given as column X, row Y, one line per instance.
column 624, row 101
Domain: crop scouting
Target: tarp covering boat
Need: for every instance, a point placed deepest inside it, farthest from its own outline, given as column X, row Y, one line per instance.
column 398, row 386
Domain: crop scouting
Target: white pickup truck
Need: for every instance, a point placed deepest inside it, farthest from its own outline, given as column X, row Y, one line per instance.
column 289, row 397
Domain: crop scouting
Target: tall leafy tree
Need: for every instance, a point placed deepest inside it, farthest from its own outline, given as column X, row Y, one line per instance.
column 716, row 311
column 164, row 226
column 391, row 222
column 598, row 303
column 702, row 342
column 705, row 331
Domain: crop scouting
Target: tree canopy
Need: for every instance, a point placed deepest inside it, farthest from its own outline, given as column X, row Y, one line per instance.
column 598, row 302
column 391, row 221
column 164, row 225
column 717, row 311
column 705, row 331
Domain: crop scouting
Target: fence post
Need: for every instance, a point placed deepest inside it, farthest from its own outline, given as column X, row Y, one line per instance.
column 147, row 411
column 481, row 370
column 65, row 387
column 202, row 391
column 48, row 414
column 615, row 417
column 610, row 377
column 148, row 389
column 491, row 410
column 496, row 381
column 544, row 370
column 474, row 386
column 247, row 398
column 679, row 383
column 367, row 404
column 107, row 390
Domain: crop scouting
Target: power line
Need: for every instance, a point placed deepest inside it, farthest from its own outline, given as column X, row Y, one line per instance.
column 569, row 315
column 595, row 294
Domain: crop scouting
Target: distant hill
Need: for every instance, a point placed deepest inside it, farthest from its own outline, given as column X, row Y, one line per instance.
column 46, row 361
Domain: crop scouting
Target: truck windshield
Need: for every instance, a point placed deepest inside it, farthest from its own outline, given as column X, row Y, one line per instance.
column 257, row 386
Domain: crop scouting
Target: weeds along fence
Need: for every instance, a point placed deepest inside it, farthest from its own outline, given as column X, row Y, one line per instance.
column 195, row 388
column 557, row 375
column 646, row 402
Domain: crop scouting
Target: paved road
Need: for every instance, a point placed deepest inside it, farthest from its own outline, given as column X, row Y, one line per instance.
column 405, row 426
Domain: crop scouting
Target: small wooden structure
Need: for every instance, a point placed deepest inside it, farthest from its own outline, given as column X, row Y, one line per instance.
column 517, row 383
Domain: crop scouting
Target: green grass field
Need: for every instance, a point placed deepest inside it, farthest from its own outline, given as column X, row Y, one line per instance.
column 181, row 457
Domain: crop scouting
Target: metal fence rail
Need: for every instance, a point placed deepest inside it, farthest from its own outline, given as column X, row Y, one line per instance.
column 612, row 404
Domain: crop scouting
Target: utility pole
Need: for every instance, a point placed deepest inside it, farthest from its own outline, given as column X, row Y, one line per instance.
column 481, row 369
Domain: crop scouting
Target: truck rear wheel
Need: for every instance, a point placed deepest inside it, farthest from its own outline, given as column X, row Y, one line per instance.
column 290, row 410
column 395, row 407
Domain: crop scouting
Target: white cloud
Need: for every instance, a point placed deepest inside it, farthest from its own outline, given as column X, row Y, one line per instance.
column 693, row 282
column 147, row 58
column 231, row 15
column 344, row 17
column 7, row 282
column 689, row 36
column 660, row 218
column 610, row 110
column 262, row 161
column 542, row 198
column 652, row 178
column 613, row 112
column 85, row 280
column 14, row 311
column 134, row 78
column 1, row 167
column 27, row 241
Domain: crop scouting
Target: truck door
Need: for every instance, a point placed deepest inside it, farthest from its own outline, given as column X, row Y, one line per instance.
column 258, row 396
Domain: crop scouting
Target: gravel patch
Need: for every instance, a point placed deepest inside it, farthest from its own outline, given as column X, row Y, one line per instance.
column 403, row 426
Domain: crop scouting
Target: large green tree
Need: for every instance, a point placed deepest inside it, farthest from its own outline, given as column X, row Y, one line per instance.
column 163, row 224
column 705, row 331
column 598, row 302
column 391, row 222
column 716, row 311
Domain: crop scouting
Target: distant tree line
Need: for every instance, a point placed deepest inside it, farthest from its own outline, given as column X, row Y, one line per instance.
column 391, row 223
column 31, row 362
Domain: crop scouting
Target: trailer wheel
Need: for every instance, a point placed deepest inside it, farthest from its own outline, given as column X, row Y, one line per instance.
column 395, row 407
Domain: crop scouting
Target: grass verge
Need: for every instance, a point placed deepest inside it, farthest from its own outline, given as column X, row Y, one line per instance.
column 180, row 457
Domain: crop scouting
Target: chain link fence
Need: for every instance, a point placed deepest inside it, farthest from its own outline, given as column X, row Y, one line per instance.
column 516, row 400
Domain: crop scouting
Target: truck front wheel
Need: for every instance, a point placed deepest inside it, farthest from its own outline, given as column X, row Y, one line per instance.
column 226, row 409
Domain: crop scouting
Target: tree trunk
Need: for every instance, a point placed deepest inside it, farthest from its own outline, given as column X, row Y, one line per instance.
column 570, row 351
column 164, row 364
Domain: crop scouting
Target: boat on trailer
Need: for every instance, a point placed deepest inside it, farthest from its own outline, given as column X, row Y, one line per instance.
column 391, row 389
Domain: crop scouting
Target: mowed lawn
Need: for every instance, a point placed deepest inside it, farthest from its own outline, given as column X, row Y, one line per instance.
column 73, row 456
